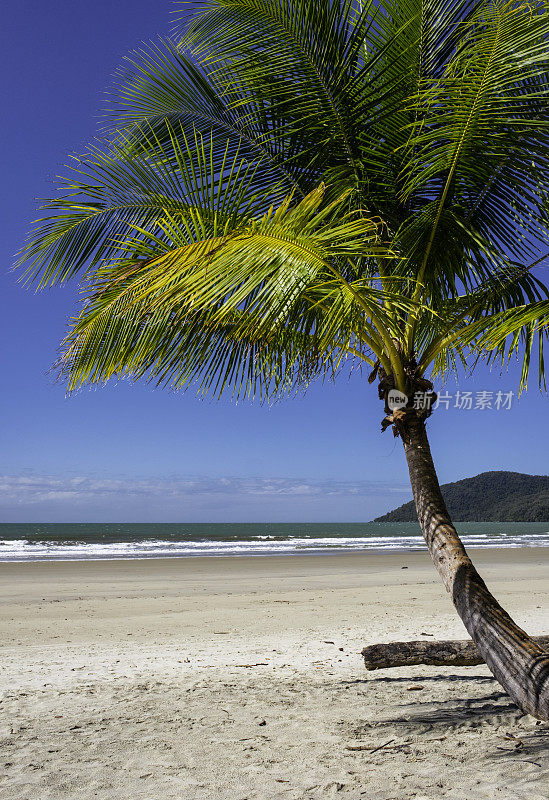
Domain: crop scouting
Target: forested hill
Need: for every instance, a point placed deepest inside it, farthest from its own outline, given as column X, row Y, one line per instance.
column 489, row 497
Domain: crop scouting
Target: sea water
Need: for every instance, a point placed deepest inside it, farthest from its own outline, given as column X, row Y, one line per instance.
column 79, row 541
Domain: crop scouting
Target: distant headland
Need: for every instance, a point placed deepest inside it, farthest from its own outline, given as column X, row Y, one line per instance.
column 489, row 497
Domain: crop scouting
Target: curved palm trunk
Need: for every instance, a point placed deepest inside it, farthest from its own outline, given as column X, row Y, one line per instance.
column 514, row 658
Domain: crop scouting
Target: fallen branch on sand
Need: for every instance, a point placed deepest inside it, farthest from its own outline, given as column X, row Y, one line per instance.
column 460, row 653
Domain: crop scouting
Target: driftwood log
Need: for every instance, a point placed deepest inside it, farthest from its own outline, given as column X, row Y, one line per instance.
column 459, row 653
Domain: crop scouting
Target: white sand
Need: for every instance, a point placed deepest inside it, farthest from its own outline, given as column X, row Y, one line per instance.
column 126, row 680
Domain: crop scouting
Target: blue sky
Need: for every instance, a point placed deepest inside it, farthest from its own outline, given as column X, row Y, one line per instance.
column 132, row 453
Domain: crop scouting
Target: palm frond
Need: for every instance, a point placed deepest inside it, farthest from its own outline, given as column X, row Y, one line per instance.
column 480, row 141
column 256, row 287
column 404, row 145
column 115, row 200
column 162, row 88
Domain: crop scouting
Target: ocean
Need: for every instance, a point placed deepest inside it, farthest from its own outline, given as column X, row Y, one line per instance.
column 79, row 541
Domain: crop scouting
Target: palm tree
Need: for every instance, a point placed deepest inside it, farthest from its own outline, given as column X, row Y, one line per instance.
column 290, row 187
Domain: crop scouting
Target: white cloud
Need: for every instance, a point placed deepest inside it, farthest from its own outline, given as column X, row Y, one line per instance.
column 29, row 489
column 31, row 497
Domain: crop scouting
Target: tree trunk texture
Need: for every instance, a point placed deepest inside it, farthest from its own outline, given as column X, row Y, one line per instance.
column 514, row 658
column 460, row 653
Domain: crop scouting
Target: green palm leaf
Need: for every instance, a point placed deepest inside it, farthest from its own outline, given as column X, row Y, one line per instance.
column 427, row 117
column 255, row 292
column 115, row 201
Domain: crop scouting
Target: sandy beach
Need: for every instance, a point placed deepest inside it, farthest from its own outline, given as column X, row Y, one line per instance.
column 241, row 679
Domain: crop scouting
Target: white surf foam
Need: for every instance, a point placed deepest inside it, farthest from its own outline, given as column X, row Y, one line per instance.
column 25, row 550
